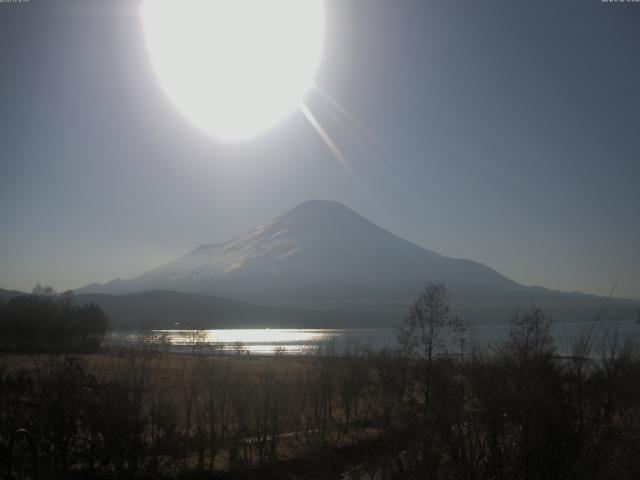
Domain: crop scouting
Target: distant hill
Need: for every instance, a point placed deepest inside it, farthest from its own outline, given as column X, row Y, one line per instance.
column 322, row 256
column 6, row 295
column 167, row 309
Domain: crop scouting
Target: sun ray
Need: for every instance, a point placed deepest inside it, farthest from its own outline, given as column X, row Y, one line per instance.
column 328, row 141
column 331, row 145
column 363, row 136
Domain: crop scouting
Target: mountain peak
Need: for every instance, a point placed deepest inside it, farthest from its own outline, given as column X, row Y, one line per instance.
column 314, row 217
column 317, row 204
column 319, row 208
column 322, row 255
column 319, row 254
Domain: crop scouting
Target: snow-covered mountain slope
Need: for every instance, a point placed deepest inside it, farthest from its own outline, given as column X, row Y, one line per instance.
column 321, row 255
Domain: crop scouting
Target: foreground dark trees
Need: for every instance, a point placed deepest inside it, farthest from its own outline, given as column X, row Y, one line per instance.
column 46, row 321
column 431, row 411
column 520, row 412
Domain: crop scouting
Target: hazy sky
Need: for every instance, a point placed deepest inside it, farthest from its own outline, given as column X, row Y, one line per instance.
column 505, row 132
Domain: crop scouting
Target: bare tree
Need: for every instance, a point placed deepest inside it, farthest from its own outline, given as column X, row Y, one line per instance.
column 196, row 338
column 426, row 330
column 352, row 380
column 530, row 338
column 46, row 291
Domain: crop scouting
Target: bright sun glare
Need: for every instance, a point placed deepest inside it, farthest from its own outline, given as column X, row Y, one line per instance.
column 234, row 68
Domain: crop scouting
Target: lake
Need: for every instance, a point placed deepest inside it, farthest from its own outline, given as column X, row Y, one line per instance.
column 306, row 341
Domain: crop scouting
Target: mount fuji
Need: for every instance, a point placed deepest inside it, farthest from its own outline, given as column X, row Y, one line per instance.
column 321, row 256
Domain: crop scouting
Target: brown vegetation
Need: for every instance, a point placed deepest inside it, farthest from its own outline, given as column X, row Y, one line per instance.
column 517, row 412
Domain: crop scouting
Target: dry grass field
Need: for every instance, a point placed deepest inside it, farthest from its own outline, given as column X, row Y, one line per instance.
column 520, row 412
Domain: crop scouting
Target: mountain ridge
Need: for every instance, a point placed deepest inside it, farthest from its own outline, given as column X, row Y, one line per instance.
column 323, row 256
column 285, row 236
column 162, row 309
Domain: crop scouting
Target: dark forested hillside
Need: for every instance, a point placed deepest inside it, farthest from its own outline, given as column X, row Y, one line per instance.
column 46, row 321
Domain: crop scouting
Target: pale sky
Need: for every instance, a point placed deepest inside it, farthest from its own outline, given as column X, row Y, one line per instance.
column 505, row 132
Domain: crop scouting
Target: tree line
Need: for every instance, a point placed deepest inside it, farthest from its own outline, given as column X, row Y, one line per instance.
column 46, row 321
column 428, row 410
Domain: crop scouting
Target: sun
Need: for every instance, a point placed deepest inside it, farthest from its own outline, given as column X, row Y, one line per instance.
column 234, row 68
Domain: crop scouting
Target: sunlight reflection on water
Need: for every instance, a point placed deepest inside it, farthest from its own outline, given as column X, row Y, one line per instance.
column 261, row 341
column 267, row 341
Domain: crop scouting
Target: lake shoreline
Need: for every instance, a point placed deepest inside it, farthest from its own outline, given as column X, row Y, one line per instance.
column 271, row 341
